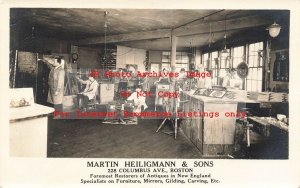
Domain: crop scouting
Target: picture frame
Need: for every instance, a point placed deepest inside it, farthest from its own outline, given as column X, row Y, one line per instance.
column 202, row 92
column 217, row 93
column 280, row 62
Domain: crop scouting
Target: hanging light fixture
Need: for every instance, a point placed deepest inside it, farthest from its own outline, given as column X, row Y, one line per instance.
column 211, row 39
column 105, row 33
column 274, row 30
column 225, row 51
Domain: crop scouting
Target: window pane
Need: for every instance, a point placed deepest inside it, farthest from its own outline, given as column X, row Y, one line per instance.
column 166, row 53
column 254, row 85
column 238, row 54
column 205, row 60
column 214, row 55
column 259, row 86
column 165, row 65
column 235, row 62
column 259, row 46
column 249, row 74
column 166, row 57
column 251, row 59
column 155, row 67
column 185, row 59
column 255, row 63
column 254, row 74
column 222, row 73
column 248, row 85
column 252, row 50
column 259, row 74
column 238, row 51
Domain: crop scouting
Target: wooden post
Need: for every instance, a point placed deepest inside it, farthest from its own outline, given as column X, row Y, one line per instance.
column 268, row 66
column 173, row 51
column 173, row 84
column 173, row 60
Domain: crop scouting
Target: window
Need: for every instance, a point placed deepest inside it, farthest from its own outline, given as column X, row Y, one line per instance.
column 218, row 63
column 238, row 56
column 205, row 60
column 225, row 64
column 154, row 67
column 165, row 66
column 214, row 66
column 255, row 64
column 182, row 60
column 166, row 57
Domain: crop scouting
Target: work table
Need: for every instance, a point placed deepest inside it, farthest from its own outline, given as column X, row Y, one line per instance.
column 267, row 121
column 28, row 125
column 29, row 112
column 217, row 100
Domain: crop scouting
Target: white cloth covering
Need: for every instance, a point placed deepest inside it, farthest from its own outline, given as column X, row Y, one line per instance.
column 139, row 101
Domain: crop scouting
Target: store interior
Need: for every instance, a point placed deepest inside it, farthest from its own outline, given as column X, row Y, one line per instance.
column 149, row 83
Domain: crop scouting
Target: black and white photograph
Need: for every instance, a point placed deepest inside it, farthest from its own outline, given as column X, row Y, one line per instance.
column 149, row 96
column 239, row 58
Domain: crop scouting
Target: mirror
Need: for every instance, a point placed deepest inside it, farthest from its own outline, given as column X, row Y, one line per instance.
column 242, row 70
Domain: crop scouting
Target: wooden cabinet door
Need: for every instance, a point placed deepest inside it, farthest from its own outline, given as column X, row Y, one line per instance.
column 186, row 122
column 221, row 129
column 196, row 124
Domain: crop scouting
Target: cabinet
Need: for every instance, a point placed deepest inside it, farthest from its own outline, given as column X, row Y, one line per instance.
column 106, row 92
column 212, row 134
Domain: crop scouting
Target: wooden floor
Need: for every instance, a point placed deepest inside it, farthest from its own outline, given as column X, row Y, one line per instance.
column 92, row 139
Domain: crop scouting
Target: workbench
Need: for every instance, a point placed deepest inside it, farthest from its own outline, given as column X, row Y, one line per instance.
column 269, row 121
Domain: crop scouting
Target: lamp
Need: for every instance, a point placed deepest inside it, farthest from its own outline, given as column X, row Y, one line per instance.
column 225, row 51
column 274, row 30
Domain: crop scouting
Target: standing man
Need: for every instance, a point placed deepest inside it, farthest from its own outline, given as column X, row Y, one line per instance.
column 56, row 82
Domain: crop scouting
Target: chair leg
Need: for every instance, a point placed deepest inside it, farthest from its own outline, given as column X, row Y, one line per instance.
column 175, row 131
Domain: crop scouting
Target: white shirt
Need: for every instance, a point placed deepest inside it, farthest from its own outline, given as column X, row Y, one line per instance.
column 90, row 88
column 205, row 82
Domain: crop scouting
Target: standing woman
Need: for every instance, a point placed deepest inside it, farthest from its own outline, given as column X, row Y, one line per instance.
column 205, row 82
column 165, row 77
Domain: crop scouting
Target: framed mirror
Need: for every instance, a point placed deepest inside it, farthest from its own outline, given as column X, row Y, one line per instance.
column 280, row 65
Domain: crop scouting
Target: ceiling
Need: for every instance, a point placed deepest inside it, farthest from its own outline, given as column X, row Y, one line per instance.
column 195, row 27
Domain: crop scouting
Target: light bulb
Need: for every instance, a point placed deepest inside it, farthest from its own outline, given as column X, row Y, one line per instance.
column 274, row 30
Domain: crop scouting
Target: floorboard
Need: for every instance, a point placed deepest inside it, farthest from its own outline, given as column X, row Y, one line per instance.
column 92, row 139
